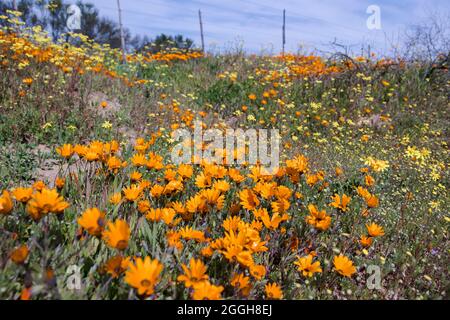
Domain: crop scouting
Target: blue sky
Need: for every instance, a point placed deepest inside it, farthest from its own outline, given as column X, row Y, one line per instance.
column 256, row 24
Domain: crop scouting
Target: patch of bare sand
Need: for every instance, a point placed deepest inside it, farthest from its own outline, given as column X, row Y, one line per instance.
column 49, row 168
column 374, row 121
column 95, row 100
